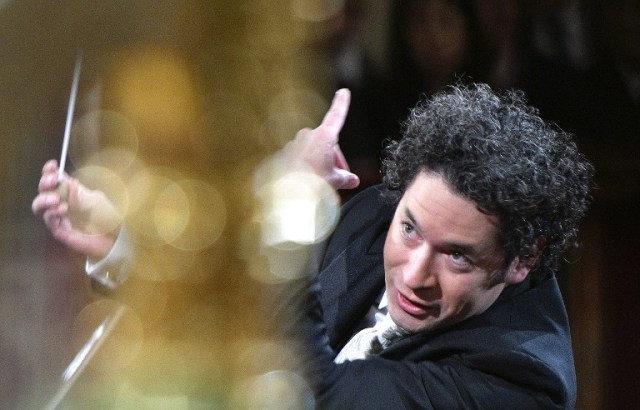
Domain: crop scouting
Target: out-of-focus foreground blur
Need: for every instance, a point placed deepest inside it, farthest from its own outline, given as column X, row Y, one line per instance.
column 178, row 104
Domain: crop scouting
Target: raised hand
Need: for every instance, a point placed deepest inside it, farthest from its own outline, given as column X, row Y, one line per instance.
column 319, row 147
column 82, row 219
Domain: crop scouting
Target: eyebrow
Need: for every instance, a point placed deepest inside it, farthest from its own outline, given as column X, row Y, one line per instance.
column 410, row 215
column 459, row 247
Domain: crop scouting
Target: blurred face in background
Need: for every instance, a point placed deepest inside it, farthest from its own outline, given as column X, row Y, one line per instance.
column 622, row 20
column 436, row 33
column 498, row 21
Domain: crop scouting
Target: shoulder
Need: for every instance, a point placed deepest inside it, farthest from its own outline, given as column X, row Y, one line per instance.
column 375, row 195
column 523, row 340
column 369, row 206
column 364, row 218
column 529, row 318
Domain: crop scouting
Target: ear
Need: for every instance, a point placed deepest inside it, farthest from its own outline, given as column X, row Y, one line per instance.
column 520, row 268
column 517, row 272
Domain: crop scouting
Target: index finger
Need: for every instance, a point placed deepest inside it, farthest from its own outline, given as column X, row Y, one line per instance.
column 334, row 118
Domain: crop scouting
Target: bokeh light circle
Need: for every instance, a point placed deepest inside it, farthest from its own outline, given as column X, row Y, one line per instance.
column 171, row 212
column 299, row 207
column 314, row 10
column 207, row 215
column 111, row 332
column 108, row 215
column 279, row 389
column 103, row 138
column 150, row 190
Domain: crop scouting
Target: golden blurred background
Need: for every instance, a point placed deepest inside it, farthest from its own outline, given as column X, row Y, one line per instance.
column 178, row 103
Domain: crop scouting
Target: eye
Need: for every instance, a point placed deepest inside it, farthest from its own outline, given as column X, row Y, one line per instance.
column 460, row 261
column 408, row 231
column 455, row 255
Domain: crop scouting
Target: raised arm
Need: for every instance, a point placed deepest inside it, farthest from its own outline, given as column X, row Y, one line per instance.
column 319, row 148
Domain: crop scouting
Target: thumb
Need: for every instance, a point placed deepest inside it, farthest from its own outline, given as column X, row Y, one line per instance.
column 343, row 179
column 80, row 197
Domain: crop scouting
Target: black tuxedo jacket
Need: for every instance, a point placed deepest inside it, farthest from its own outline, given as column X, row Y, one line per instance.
column 515, row 355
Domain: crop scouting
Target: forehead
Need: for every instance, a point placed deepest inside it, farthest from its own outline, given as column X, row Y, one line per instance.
column 444, row 214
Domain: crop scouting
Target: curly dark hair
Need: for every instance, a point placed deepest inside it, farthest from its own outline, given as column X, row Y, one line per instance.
column 496, row 151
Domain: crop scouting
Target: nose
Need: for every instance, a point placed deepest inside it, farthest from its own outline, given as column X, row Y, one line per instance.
column 419, row 270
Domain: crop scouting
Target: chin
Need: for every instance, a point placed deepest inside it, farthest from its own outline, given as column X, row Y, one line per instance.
column 423, row 327
column 415, row 325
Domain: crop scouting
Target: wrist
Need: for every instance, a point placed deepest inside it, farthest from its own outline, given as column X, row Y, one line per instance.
column 114, row 267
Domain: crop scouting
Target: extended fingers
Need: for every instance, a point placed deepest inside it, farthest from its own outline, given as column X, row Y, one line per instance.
column 335, row 117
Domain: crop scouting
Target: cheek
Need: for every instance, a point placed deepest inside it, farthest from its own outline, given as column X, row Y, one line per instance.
column 461, row 290
column 469, row 297
column 389, row 257
column 392, row 256
column 391, row 250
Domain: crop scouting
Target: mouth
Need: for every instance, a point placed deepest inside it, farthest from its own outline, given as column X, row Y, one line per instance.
column 415, row 308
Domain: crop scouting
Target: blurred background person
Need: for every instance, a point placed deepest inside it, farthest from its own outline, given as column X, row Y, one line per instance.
column 613, row 141
column 614, row 76
column 337, row 58
column 510, row 59
column 558, row 30
column 431, row 43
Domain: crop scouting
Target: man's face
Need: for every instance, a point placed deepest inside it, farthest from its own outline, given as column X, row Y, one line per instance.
column 441, row 257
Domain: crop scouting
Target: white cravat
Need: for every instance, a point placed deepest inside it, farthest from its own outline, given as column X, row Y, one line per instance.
column 371, row 341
